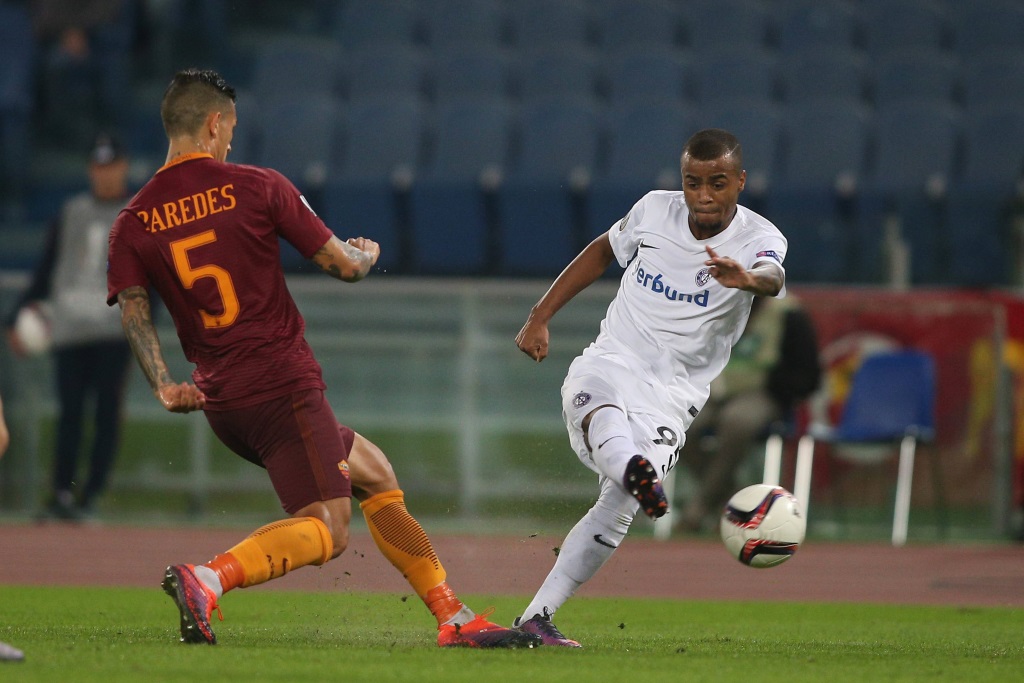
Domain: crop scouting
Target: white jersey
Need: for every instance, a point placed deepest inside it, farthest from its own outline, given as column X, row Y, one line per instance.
column 670, row 320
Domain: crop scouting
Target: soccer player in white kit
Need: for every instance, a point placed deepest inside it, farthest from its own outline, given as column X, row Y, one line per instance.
column 693, row 262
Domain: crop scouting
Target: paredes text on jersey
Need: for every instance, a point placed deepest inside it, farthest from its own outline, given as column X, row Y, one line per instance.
column 188, row 209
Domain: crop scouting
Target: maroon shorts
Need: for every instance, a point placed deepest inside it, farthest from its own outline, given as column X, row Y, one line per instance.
column 297, row 439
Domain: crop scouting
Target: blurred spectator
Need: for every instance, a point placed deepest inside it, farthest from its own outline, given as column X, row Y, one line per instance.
column 85, row 64
column 89, row 347
column 773, row 367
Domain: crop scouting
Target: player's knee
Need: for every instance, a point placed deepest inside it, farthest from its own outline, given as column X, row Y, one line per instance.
column 340, row 539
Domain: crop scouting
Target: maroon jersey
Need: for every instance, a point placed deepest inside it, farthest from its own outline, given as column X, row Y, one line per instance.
column 204, row 235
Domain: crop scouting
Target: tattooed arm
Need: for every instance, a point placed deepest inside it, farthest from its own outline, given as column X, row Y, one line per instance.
column 137, row 321
column 349, row 261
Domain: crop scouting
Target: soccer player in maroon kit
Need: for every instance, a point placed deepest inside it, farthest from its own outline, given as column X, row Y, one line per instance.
column 204, row 234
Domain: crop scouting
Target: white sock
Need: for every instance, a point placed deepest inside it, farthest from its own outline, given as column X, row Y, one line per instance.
column 611, row 442
column 587, row 547
column 210, row 578
column 463, row 616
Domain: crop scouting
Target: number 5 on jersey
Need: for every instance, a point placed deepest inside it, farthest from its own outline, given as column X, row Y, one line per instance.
column 189, row 275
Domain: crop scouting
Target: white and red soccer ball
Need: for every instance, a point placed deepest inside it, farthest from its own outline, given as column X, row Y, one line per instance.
column 763, row 525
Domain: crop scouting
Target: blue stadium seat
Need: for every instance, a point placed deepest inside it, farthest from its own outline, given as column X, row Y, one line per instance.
column 758, row 125
column 471, row 71
column 823, row 140
column 300, row 138
column 546, row 23
column 17, row 58
column 645, row 141
column 822, row 246
column 371, row 22
column 819, row 71
column 902, row 24
column 450, row 23
column 645, row 72
column 982, row 194
column 374, row 169
column 726, row 25
column 744, row 72
column 451, row 226
column 556, row 70
column 914, row 73
column 803, row 24
column 637, row 23
column 982, row 213
column 993, row 150
column 245, row 144
column 824, row 145
column 540, row 204
column 995, row 75
column 982, row 26
column 291, row 67
column 915, row 145
column 386, row 69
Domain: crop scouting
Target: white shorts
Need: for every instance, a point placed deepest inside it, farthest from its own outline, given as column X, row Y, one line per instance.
column 594, row 381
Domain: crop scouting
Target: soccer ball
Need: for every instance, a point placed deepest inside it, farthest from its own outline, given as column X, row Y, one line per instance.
column 762, row 525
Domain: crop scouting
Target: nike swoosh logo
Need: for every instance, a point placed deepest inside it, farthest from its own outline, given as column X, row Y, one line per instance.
column 604, row 442
column 647, row 246
column 606, row 544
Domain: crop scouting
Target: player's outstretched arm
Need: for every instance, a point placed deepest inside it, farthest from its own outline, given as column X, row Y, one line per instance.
column 137, row 321
column 765, row 279
column 587, row 267
column 349, row 261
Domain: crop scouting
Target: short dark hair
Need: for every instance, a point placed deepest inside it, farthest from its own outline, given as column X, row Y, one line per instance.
column 713, row 143
column 190, row 97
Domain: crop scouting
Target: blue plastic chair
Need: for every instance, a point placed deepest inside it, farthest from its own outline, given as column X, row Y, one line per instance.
column 745, row 72
column 645, row 73
column 471, row 71
column 556, row 70
column 386, row 70
column 300, row 138
column 822, row 71
column 993, row 76
column 888, row 25
column 371, row 22
column 540, row 221
column 891, row 400
column 982, row 26
column 645, row 139
column 638, row 23
column 726, row 25
column 819, row 23
column 914, row 73
column 290, row 68
column 373, row 173
column 451, row 199
column 546, row 23
column 449, row 23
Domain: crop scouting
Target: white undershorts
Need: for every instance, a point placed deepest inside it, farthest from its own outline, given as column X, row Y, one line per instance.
column 659, row 430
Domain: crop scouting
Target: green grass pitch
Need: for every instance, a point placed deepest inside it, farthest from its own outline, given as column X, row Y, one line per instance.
column 110, row 635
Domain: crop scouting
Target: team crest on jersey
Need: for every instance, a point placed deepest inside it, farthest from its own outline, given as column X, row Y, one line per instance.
column 703, row 275
column 343, row 468
column 622, row 223
column 581, row 399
